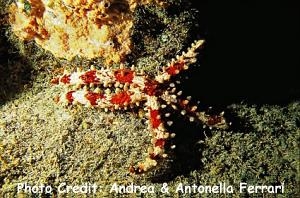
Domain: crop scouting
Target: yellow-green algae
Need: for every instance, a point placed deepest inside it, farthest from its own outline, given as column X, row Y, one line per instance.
column 42, row 142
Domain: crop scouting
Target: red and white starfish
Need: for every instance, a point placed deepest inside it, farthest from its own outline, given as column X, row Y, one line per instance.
column 125, row 88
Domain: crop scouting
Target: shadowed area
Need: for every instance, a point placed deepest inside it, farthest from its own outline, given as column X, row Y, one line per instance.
column 250, row 54
column 15, row 71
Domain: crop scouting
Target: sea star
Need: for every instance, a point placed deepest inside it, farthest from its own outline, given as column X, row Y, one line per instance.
column 125, row 88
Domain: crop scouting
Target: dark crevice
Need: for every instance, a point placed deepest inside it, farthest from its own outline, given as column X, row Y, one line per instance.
column 15, row 71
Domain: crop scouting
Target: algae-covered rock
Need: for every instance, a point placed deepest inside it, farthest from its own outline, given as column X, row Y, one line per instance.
column 44, row 143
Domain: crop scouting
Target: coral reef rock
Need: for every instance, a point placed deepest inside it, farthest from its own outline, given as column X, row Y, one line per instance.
column 84, row 28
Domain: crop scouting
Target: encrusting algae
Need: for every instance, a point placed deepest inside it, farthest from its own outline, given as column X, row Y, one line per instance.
column 85, row 28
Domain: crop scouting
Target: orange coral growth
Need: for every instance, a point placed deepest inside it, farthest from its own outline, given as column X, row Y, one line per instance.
column 85, row 28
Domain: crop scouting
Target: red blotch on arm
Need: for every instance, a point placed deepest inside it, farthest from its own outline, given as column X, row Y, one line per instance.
column 120, row 98
column 89, row 77
column 160, row 143
column 124, row 75
column 154, row 118
column 213, row 120
column 150, row 88
column 175, row 68
column 93, row 97
column 70, row 97
column 55, row 81
column 65, row 79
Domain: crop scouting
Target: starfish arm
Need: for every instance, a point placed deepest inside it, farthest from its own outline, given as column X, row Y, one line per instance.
column 103, row 77
column 159, row 137
column 189, row 110
column 192, row 113
column 212, row 121
column 108, row 89
column 179, row 64
column 91, row 76
column 104, row 100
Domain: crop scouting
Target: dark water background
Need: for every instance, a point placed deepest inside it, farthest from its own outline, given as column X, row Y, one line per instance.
column 251, row 53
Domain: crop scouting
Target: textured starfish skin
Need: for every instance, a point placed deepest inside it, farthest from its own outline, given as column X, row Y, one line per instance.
column 125, row 88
